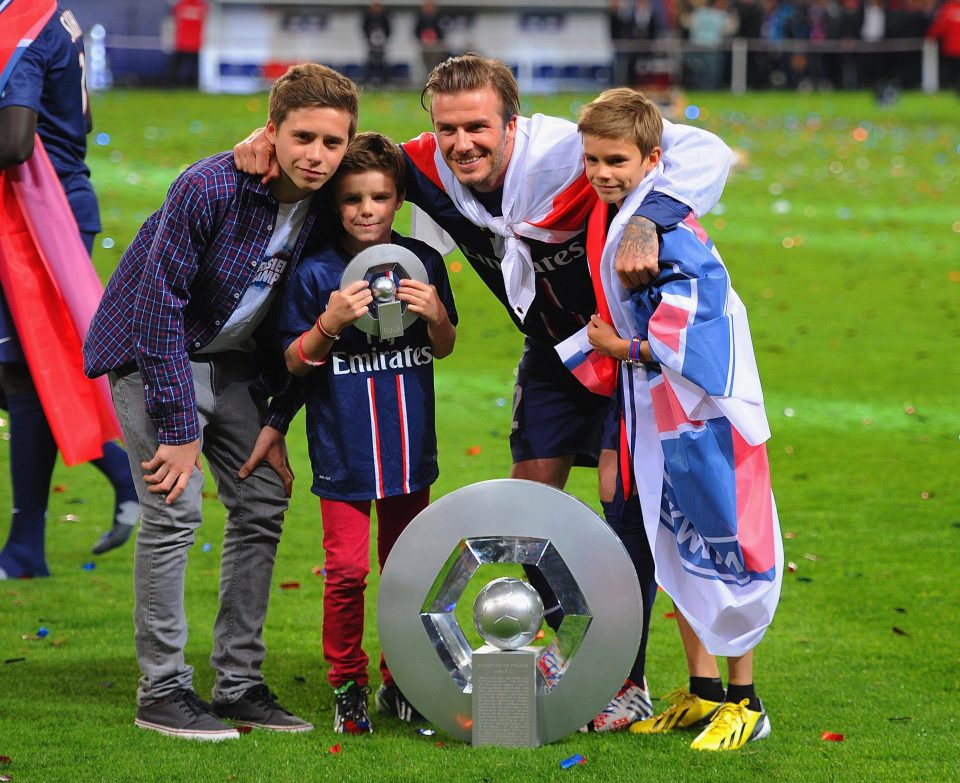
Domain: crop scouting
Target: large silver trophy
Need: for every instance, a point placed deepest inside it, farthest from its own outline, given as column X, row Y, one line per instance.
column 383, row 266
column 507, row 692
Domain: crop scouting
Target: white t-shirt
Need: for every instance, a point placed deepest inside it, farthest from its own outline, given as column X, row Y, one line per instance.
column 237, row 332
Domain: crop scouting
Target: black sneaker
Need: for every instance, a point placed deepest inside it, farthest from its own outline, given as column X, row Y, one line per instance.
column 184, row 714
column 351, row 714
column 390, row 700
column 259, row 708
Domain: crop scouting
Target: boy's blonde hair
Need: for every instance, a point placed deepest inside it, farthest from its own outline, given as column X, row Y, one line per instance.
column 309, row 84
column 622, row 113
column 374, row 152
column 471, row 71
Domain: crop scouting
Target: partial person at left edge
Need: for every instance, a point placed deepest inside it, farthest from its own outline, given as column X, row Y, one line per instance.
column 44, row 121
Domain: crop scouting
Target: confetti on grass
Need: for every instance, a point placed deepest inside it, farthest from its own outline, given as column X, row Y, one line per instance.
column 289, row 585
column 830, row 736
column 573, row 761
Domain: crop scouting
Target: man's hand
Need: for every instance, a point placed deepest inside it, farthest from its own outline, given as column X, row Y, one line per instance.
column 256, row 155
column 637, row 263
column 271, row 447
column 170, row 469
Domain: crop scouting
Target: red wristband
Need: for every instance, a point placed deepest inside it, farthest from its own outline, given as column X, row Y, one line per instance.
column 324, row 332
column 303, row 356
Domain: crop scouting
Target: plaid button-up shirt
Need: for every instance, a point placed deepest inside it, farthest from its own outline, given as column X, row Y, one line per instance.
column 177, row 285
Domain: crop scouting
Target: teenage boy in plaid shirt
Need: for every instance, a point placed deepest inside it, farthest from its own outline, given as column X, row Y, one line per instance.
column 187, row 331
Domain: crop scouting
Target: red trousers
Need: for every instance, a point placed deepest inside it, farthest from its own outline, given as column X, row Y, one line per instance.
column 346, row 542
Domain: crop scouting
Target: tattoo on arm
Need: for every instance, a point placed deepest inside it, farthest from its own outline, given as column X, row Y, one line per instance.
column 640, row 238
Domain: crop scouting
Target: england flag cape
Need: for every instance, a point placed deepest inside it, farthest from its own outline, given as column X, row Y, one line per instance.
column 545, row 196
column 51, row 287
column 696, row 432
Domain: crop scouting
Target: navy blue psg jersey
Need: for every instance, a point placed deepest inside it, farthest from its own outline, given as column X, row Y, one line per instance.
column 49, row 78
column 564, row 299
column 370, row 408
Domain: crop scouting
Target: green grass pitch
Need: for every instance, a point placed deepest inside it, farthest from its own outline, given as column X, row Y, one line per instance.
column 841, row 228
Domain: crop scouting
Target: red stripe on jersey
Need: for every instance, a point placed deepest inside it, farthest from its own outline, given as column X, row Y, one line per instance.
column 571, row 207
column 404, row 435
column 421, row 151
column 375, row 424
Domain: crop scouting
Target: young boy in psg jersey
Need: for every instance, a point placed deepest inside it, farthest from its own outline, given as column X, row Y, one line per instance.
column 370, row 409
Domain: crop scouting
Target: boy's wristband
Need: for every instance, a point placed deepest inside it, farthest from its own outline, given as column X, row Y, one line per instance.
column 633, row 352
column 324, row 332
column 303, row 357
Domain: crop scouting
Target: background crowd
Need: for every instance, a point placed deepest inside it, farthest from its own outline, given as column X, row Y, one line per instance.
column 847, row 44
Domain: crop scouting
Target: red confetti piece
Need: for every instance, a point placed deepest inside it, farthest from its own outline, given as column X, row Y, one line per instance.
column 540, row 634
column 473, row 451
column 909, row 410
column 289, row 585
column 244, row 729
column 335, row 748
column 60, row 489
column 830, row 736
column 439, row 745
column 670, row 615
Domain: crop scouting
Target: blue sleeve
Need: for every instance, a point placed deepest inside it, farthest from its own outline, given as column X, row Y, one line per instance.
column 25, row 85
column 663, row 210
column 441, row 281
column 303, row 301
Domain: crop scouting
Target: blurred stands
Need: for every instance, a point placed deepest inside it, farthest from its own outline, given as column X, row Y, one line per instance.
column 564, row 44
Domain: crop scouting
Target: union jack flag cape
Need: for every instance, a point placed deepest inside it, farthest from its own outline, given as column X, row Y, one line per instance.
column 696, row 430
column 50, row 285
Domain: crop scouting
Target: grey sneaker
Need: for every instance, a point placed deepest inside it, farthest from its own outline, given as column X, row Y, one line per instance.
column 184, row 714
column 390, row 700
column 259, row 708
column 351, row 714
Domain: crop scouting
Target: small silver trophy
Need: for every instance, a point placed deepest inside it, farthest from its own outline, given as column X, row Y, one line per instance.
column 508, row 692
column 383, row 265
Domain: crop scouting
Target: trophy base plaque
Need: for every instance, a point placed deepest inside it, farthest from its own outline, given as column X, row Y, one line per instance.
column 390, row 318
column 505, row 697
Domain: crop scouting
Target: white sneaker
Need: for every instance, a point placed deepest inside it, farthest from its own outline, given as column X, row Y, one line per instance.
column 632, row 703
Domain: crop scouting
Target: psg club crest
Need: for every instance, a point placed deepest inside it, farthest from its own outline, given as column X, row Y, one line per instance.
column 508, row 691
column 383, row 266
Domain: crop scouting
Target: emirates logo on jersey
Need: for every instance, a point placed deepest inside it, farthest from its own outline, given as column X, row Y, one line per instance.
column 379, row 361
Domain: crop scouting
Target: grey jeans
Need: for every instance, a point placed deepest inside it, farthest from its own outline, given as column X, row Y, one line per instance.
column 230, row 422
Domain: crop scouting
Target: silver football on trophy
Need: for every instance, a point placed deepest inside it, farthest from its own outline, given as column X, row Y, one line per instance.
column 508, row 613
column 383, row 289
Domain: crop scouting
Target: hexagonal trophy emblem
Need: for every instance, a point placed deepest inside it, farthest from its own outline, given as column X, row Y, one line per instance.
column 383, row 266
column 506, row 692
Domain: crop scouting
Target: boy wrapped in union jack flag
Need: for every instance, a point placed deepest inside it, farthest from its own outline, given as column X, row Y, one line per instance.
column 694, row 429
